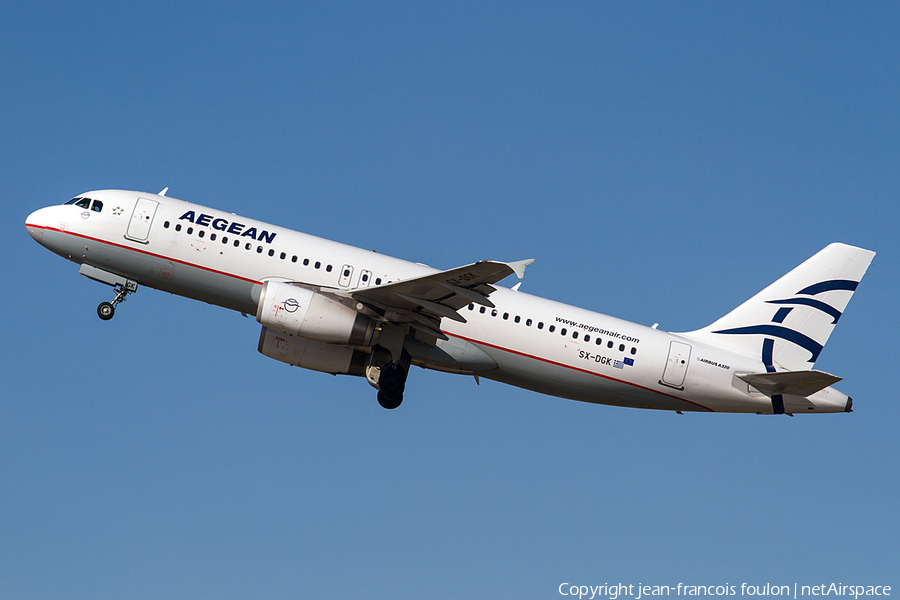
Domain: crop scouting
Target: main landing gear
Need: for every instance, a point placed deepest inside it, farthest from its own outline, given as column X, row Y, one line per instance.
column 391, row 384
column 388, row 376
column 107, row 310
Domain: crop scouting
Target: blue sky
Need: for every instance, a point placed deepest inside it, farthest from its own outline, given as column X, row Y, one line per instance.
column 662, row 162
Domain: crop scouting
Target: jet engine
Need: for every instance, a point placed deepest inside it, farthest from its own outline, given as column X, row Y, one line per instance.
column 309, row 354
column 297, row 311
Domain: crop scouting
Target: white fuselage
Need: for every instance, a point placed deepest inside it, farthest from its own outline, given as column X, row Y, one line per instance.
column 537, row 344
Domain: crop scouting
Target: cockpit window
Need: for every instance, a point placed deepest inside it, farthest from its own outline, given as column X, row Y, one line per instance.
column 97, row 206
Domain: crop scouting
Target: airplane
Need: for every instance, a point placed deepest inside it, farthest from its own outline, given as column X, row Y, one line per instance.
column 334, row 308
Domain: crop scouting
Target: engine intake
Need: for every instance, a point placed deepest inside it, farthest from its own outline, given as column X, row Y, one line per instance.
column 301, row 312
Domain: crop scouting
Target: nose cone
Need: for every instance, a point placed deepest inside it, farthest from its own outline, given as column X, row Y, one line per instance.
column 37, row 222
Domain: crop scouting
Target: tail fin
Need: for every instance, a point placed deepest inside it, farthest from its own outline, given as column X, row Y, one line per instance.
column 788, row 323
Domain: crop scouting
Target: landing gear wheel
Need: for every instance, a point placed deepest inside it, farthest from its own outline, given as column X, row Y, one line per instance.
column 389, row 403
column 392, row 381
column 106, row 311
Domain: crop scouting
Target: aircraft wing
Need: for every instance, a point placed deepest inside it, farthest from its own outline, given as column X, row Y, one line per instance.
column 423, row 301
column 796, row 383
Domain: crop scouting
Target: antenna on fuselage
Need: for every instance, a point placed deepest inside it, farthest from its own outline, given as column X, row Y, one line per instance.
column 163, row 192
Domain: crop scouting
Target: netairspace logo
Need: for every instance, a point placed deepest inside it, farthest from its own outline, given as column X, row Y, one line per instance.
column 795, row 591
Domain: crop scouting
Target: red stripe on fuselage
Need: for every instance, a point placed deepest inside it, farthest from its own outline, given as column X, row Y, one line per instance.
column 551, row 362
column 153, row 254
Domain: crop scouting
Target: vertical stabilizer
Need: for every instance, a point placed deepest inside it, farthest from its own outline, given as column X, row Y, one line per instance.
column 788, row 323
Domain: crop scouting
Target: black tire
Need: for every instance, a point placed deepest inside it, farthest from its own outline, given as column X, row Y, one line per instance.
column 106, row 311
column 392, row 381
column 389, row 403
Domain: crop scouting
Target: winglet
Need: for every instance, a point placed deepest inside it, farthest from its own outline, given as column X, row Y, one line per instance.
column 518, row 267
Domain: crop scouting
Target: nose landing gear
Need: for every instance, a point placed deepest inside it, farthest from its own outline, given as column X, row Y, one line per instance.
column 107, row 310
column 121, row 285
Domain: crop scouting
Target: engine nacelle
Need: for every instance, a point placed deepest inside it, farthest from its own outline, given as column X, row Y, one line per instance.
column 309, row 354
column 301, row 312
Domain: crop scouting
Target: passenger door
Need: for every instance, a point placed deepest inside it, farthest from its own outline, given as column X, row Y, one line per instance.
column 676, row 365
column 141, row 220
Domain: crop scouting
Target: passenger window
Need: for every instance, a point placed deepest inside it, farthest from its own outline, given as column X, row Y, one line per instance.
column 201, row 233
column 587, row 338
column 471, row 306
column 328, row 268
column 505, row 316
column 621, row 347
column 166, row 225
column 552, row 328
column 574, row 335
column 517, row 319
column 294, row 258
column 365, row 278
column 494, row 313
column 599, row 341
column 212, row 237
column 634, row 350
column 562, row 331
column 609, row 344
column 540, row 324
column 247, row 246
column 224, row 239
column 528, row 323
column 318, row 264
column 97, row 206
column 482, row 310
column 271, row 252
column 178, row 227
column 237, row 243
column 83, row 203
column 378, row 281
column 190, row 231
column 259, row 249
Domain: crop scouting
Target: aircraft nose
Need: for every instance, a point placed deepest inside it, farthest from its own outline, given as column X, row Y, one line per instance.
column 37, row 222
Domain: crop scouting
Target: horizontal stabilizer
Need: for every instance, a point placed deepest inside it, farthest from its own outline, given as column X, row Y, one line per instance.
column 794, row 383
